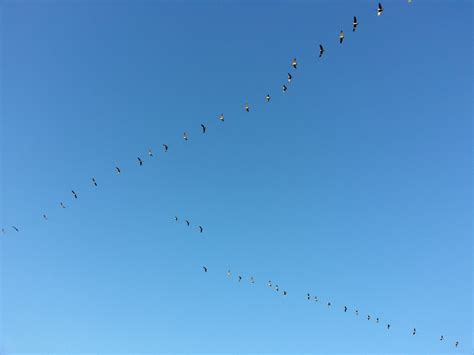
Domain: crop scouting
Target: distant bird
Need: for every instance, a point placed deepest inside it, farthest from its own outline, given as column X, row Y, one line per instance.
column 247, row 107
column 200, row 229
column 74, row 194
column 414, row 331
column 187, row 222
column 252, row 280
column 229, row 273
column 166, row 147
column 284, row 293
column 284, row 88
column 345, row 308
column 441, row 338
column 289, row 77
column 267, row 98
column 221, row 117
column 308, row 296
column 329, row 304
column 379, row 9
column 140, row 161
column 368, row 317
column 203, row 128
column 456, row 343
column 388, row 326
column 341, row 36
column 240, row 278
column 276, row 288
column 377, row 320
column 3, row 231
column 15, row 228
column 294, row 64
column 316, row 298
column 150, row 153
column 62, row 205
column 45, row 217
column 94, row 182
column 357, row 312
column 176, row 218
column 269, row 283
column 354, row 24
column 118, row 170
column 321, row 50
column 185, row 136
column 205, row 268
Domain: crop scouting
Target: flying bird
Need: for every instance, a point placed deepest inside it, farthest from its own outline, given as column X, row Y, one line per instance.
column 3, row 231
column 341, row 36
column 200, row 229
column 252, row 280
column 284, row 293
column 388, row 326
column 329, row 304
column 247, row 107
column 62, row 205
column 15, row 228
column 185, row 136
column 308, row 296
column 74, row 194
column 221, row 117
column 289, row 77
column 316, row 298
column 187, row 222
column 377, row 320
column 276, row 288
column 345, row 308
column 267, row 98
column 166, row 147
column 176, row 218
column 240, row 278
column 203, row 128
column 45, row 217
column 414, row 331
column 94, row 182
column 368, row 317
column 456, row 343
column 379, row 9
column 321, row 50
column 294, row 64
column 284, row 88
column 357, row 312
column 441, row 338
column 140, row 161
column 205, row 268
column 118, row 170
column 269, row 283
column 354, row 24
column 150, row 153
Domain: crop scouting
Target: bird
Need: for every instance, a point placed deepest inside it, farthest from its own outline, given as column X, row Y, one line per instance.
column 294, row 64
column 62, row 205
column 252, row 280
column 118, row 170
column 329, row 304
column 94, row 182
column 289, row 77
column 284, row 293
column 150, row 153
column 456, row 343
column 354, row 24
column 414, row 331
column 45, row 217
column 379, row 9
column 3, row 231
column 269, row 283
column 140, row 161
column 308, row 296
column 240, row 278
column 185, row 136
column 276, row 288
column 166, row 147
column 229, row 273
column 15, row 228
column 74, row 194
column 377, row 320
column 357, row 312
column 221, row 117
column 247, row 107
column 345, row 308
column 441, row 338
column 187, row 222
column 200, row 229
column 388, row 326
column 368, row 317
column 176, row 218
column 316, row 298
column 267, row 98
column 321, row 50
column 203, row 128
column 284, row 88
column 205, row 268
column 341, row 36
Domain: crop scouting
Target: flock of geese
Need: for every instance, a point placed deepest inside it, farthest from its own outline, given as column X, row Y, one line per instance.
column 294, row 65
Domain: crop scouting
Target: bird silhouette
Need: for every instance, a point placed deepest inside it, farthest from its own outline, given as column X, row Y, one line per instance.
column 45, row 217
column 329, row 304
column 414, row 331
column 267, row 98
column 176, row 218
column 456, row 344
column 187, row 222
column 247, row 107
column 94, row 182
column 316, row 298
column 308, row 296
column 357, row 312
column 240, row 278
column 252, row 280
column 62, row 205
column 294, row 64
column 203, row 128
column 321, row 50
column 345, row 308
column 150, row 153
column 388, row 326
column 15, row 228
column 341, row 37
column 354, row 24
column 284, row 88
column 276, row 288
column 185, row 136
column 221, row 117
column 441, row 338
column 200, row 229
column 269, row 283
column 284, row 293
column 205, row 268
column 140, row 161
column 368, row 317
column 118, row 170
column 74, row 194
column 379, row 9
column 166, row 147
column 290, row 77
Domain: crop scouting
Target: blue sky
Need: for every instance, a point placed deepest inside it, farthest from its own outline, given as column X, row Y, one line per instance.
column 355, row 185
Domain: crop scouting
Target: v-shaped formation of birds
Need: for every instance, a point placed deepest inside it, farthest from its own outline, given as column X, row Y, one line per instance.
column 186, row 137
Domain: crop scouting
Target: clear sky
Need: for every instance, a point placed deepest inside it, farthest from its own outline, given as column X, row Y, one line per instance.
column 355, row 185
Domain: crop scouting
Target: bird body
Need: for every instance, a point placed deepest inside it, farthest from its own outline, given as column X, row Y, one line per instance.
column 166, row 147
column 187, row 222
column 284, row 293
column 140, row 161
column 321, row 50
column 118, row 170
column 414, row 331
column 94, row 182
column 45, row 217
column 200, row 229
column 252, row 280
column 379, row 9
column 221, row 117
column 204, row 268
column 267, row 98
column 150, row 153
column 354, row 24
column 247, row 107
column 290, row 77
column 294, row 64
column 176, row 218
column 74, row 194
column 15, row 228
column 308, row 296
column 345, row 308
column 185, row 136
column 62, row 205
column 341, row 37
column 284, row 88
column 203, row 128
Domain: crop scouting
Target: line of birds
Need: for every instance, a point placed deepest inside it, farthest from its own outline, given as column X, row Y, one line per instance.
column 188, row 223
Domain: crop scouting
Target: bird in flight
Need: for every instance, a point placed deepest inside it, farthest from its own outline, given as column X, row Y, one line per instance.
column 414, row 331
column 368, row 317
column 341, row 36
column 357, row 312
column 284, row 88
column 62, row 205
column 252, row 280
column 308, row 296
column 185, row 136
column 269, row 283
column 187, row 222
column 140, row 161
column 150, row 153
column 118, row 170
column 203, row 128
column 316, row 298
column 289, row 77
column 15, row 228
column 166, row 147
column 345, row 308
column 379, row 9
column 354, row 24
column 321, row 50
column 45, row 217
column 240, row 278
column 247, row 107
column 176, row 218
column 294, row 64
column 329, row 304
column 441, row 338
column 94, row 182
column 267, row 98
column 276, row 288
column 388, row 326
column 200, row 229
column 74, row 194
column 3, row 231
column 221, row 117
column 377, row 320
column 456, row 344
column 205, row 268
column 284, row 293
